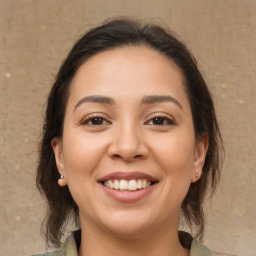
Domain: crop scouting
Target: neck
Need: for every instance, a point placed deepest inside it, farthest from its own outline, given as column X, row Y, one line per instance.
column 160, row 242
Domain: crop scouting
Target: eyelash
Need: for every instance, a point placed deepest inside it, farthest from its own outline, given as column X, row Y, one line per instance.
column 166, row 120
column 162, row 121
column 95, row 118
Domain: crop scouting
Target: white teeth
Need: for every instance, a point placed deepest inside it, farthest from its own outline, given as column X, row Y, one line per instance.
column 124, row 184
column 131, row 185
column 111, row 184
column 139, row 184
column 116, row 184
column 144, row 183
column 106, row 183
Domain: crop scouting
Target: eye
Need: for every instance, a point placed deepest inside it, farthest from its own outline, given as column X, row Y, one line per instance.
column 95, row 121
column 161, row 120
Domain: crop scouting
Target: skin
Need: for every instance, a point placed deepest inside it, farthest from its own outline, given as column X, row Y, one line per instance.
column 128, row 139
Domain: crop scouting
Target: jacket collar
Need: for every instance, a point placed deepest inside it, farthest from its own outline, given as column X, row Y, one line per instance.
column 72, row 243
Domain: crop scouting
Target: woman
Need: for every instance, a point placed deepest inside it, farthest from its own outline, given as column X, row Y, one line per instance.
column 130, row 143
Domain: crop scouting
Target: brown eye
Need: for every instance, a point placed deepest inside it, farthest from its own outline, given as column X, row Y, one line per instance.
column 161, row 120
column 95, row 121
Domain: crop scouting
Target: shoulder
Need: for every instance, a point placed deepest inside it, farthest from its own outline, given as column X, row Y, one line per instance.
column 198, row 249
column 68, row 248
column 54, row 253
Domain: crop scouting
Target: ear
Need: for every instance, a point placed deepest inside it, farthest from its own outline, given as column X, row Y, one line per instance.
column 56, row 144
column 200, row 151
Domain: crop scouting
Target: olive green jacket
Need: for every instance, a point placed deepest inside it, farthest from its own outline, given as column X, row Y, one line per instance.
column 69, row 247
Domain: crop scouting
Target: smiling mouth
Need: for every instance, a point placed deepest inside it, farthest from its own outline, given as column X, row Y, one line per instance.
column 128, row 185
column 128, row 181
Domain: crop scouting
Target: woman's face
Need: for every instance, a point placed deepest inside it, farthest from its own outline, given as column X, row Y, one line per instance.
column 128, row 151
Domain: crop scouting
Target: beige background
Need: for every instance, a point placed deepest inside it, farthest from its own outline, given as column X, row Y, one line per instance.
column 35, row 37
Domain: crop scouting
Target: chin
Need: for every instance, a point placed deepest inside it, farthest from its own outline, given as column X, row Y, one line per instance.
column 131, row 231
column 128, row 225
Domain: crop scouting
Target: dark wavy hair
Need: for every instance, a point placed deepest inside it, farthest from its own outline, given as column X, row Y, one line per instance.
column 117, row 33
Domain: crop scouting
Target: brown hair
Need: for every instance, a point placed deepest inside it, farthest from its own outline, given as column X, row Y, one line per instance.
column 116, row 33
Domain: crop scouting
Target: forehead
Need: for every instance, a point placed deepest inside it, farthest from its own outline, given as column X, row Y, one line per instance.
column 128, row 71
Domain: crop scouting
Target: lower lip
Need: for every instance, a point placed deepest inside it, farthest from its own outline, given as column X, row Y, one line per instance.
column 128, row 196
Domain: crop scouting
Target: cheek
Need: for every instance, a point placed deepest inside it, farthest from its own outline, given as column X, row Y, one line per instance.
column 82, row 154
column 175, row 152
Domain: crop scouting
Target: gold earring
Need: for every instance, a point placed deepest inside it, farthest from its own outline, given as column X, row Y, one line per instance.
column 198, row 175
column 62, row 181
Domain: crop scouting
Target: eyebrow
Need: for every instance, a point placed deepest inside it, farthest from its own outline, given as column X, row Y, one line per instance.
column 95, row 99
column 153, row 99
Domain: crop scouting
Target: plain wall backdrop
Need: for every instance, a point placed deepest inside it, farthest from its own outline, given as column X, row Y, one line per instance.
column 35, row 36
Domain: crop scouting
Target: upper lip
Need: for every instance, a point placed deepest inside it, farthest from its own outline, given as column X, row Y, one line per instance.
column 127, row 176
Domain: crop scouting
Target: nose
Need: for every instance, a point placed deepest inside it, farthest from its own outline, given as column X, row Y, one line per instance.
column 128, row 144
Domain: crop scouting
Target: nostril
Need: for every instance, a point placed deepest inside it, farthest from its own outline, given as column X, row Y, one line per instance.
column 137, row 156
column 126, row 157
column 116, row 156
